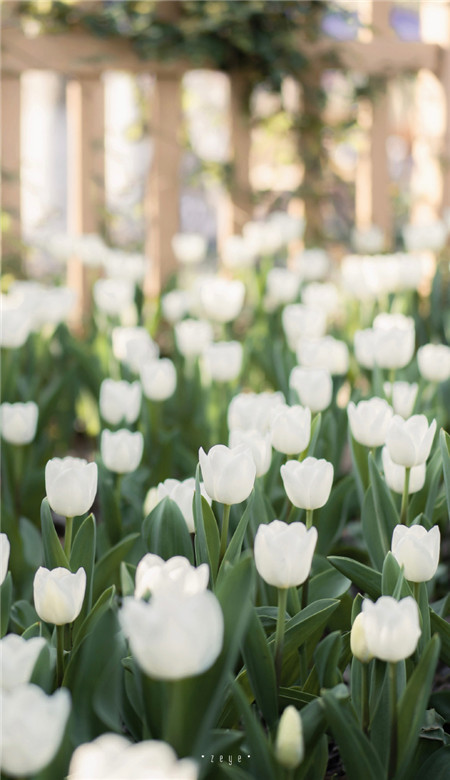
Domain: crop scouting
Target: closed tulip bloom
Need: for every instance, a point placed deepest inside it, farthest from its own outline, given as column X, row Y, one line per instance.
column 284, row 553
column 417, row 550
column 174, row 636
column 253, row 411
column 358, row 641
column 174, row 305
column 312, row 264
column 327, row 352
column 134, row 347
column 189, row 248
column 58, row 594
column 409, row 441
column 369, row 240
column 260, row 445
column 222, row 361
column 114, row 757
column 120, row 401
column 391, row 627
column 364, row 347
column 313, row 386
column 33, row 725
column 18, row 422
column 302, row 322
column 434, row 362
column 17, row 322
column 18, row 657
column 192, row 337
column 159, row 379
column 323, row 295
column 70, row 485
column 308, row 483
column 155, row 575
column 395, row 475
column 5, row 549
column 369, row 421
column 403, row 397
column 289, row 744
column 291, row 429
column 282, row 286
column 222, row 299
column 237, row 253
column 122, row 451
column 182, row 492
column 228, row 474
column 113, row 296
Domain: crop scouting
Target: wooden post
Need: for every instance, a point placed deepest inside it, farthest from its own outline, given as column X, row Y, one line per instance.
column 241, row 200
column 162, row 203
column 86, row 175
column 445, row 80
column 381, row 205
column 363, row 179
column 10, row 162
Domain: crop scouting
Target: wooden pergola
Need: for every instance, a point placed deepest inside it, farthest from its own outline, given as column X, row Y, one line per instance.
column 82, row 58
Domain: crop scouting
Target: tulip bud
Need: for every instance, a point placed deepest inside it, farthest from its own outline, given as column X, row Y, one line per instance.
column 313, row 386
column 71, row 485
column 5, row 549
column 302, row 322
column 307, row 483
column 222, row 299
column 434, row 362
column 189, row 248
column 18, row 422
column 395, row 475
column 260, row 446
column 252, row 411
column 391, row 627
column 289, row 745
column 120, row 401
column 122, row 451
column 222, row 361
column 114, row 757
column 174, row 305
column 58, row 594
column 369, row 421
column 134, row 347
column 192, row 337
column 113, row 296
column 228, row 474
column 174, row 636
column 323, row 295
column 409, row 441
column 417, row 550
column 282, row 286
column 32, row 729
column 155, row 575
column 291, row 429
column 358, row 642
column 180, row 492
column 18, row 657
column 284, row 553
column 403, row 397
column 16, row 326
column 326, row 352
column 159, row 379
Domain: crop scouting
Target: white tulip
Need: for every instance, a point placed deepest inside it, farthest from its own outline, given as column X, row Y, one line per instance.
column 409, row 441
column 70, row 485
column 189, row 248
column 155, row 575
column 133, row 346
column 16, row 325
column 174, row 305
column 58, row 594
column 113, row 296
column 129, row 266
column 182, row 493
column 32, row 729
column 434, row 362
column 391, row 627
column 364, row 347
column 192, row 337
column 369, row 421
column 289, row 743
column 260, row 445
column 114, row 757
column 120, row 401
column 358, row 642
column 222, row 361
column 395, row 475
column 253, row 411
column 302, row 322
column 159, row 379
column 174, row 636
column 290, row 428
column 421, row 236
column 18, row 657
column 308, row 483
column 18, row 422
column 327, row 352
column 403, row 396
column 228, row 474
column 284, row 553
column 282, row 286
column 369, row 240
column 121, row 451
column 222, row 299
column 417, row 550
column 313, row 386
column 323, row 295
column 237, row 253
column 5, row 549
column 312, row 264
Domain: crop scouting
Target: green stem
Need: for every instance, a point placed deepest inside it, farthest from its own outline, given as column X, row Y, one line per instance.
column 405, row 496
column 365, row 697
column 224, row 532
column 59, row 655
column 305, row 593
column 394, row 735
column 279, row 636
column 68, row 536
column 309, row 518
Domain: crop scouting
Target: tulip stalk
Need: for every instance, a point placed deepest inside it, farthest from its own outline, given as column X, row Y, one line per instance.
column 404, row 508
column 224, row 532
column 394, row 726
column 59, row 655
column 365, row 697
column 309, row 518
column 279, row 635
column 68, row 536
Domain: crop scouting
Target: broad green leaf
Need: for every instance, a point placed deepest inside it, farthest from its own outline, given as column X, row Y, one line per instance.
column 315, row 432
column 127, row 578
column 109, row 503
column 22, row 615
column 331, row 519
column 54, row 554
column 301, row 627
column 165, row 532
column 393, row 582
column 443, row 629
column 258, row 660
column 234, row 548
column 5, row 603
column 201, row 543
column 361, row 468
column 107, row 569
column 258, row 747
column 379, row 516
column 102, row 604
column 436, row 767
column 328, row 584
column 212, row 537
column 83, row 554
column 444, row 443
column 366, row 579
column 326, row 657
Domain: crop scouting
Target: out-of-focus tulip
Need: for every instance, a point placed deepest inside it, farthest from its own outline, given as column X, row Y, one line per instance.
column 192, row 337
column 155, row 575
column 358, row 641
column 249, row 411
column 368, row 241
column 327, row 352
column 228, row 474
column 403, row 396
column 302, row 322
column 113, row 757
column 308, row 483
column 222, row 299
column 70, row 485
column 313, row 386
column 369, row 421
column 120, row 400
column 284, row 553
column 174, row 636
column 121, row 451
column 18, row 422
column 58, row 594
column 237, row 253
column 113, row 296
column 32, row 729
column 391, row 627
column 16, row 325
column 5, row 549
column 282, row 286
column 180, row 492
column 159, row 379
column 409, row 441
column 434, row 362
column 312, row 264
column 260, row 445
column 417, row 550
column 18, row 657
column 133, row 346
column 174, row 305
column 129, row 266
column 222, row 361
column 290, row 428
column 189, row 248
column 323, row 295
column 395, row 475
column 430, row 236
column 289, row 743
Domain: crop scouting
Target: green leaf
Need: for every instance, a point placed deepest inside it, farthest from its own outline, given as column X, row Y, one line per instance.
column 258, row 747
column 258, row 660
column 83, row 554
column 165, row 532
column 436, row 766
column 326, row 658
column 315, row 431
column 212, row 537
column 127, row 579
column 5, row 603
column 393, row 582
column 361, row 468
column 103, row 603
column 329, row 583
column 107, row 569
column 444, row 443
column 109, row 503
column 201, row 543
column 235, row 546
column 366, row 579
column 379, row 516
column 54, row 554
column 301, row 627
column 440, row 626
column 414, row 702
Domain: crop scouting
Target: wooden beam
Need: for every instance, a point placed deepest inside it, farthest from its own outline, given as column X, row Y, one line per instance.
column 241, row 200
column 445, row 81
column 381, row 201
column 363, row 178
column 10, row 168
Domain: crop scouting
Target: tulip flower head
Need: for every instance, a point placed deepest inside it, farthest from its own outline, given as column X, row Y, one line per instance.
column 284, row 553
column 313, row 386
column 222, row 299
column 155, row 575
column 58, row 594
column 417, row 550
column 18, row 657
column 159, row 379
column 358, row 642
column 434, row 362
column 120, row 400
column 228, row 474
column 18, row 422
column 222, row 361
column 122, row 450
column 71, row 485
column 308, row 483
column 409, row 441
column 395, row 475
column 260, row 445
column 392, row 628
column 369, row 421
column 291, row 429
column 403, row 397
column 192, row 337
column 302, row 322
column 289, row 744
column 5, row 549
column 182, row 492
